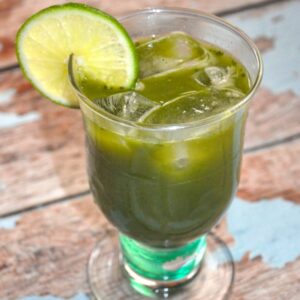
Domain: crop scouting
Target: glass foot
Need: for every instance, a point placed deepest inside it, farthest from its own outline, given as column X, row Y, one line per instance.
column 109, row 280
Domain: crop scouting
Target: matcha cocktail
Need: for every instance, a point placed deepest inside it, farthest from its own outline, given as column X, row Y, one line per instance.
column 165, row 191
column 164, row 101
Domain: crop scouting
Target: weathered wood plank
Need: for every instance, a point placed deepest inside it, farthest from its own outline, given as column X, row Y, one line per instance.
column 256, row 281
column 272, row 172
column 14, row 12
column 273, row 28
column 40, row 159
column 272, row 117
column 46, row 253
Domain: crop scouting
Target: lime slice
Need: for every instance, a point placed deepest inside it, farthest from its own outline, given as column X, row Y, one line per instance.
column 101, row 45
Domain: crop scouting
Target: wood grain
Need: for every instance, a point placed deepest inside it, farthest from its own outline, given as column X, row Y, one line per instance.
column 41, row 160
column 52, row 263
column 272, row 117
column 14, row 12
column 55, row 263
column 254, row 280
column 44, row 160
column 273, row 172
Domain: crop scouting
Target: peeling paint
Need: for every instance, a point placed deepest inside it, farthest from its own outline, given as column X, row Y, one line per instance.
column 264, row 44
column 9, row 120
column 6, row 96
column 277, row 18
column 268, row 229
column 79, row 296
column 2, row 186
column 9, row 222
column 283, row 59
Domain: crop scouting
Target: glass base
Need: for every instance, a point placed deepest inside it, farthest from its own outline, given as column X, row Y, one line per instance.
column 111, row 278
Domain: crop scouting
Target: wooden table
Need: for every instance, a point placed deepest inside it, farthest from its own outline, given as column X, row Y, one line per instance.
column 49, row 224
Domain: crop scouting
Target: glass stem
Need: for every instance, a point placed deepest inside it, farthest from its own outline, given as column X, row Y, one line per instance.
column 162, row 264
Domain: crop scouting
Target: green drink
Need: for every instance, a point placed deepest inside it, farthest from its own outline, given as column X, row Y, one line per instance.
column 164, row 121
column 166, row 192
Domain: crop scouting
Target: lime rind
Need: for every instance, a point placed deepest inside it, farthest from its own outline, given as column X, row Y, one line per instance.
column 69, row 98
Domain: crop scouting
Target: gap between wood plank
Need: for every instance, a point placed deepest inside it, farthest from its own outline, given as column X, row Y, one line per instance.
column 221, row 13
column 9, row 68
column 43, row 205
column 284, row 140
column 239, row 9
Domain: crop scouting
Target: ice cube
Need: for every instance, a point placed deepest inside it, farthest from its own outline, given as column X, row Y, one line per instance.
column 192, row 106
column 215, row 76
column 233, row 93
column 168, row 52
column 127, row 105
column 202, row 78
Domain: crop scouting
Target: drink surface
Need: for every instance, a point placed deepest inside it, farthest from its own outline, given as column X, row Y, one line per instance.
column 167, row 192
column 181, row 80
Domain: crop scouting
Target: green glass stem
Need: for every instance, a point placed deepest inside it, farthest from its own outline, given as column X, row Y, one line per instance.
column 163, row 264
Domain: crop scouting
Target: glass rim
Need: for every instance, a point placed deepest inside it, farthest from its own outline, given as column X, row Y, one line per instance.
column 193, row 124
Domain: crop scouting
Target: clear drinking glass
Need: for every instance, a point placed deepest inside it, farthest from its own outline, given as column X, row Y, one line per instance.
column 165, row 186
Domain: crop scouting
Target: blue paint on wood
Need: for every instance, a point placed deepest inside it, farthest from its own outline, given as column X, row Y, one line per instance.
column 7, row 96
column 9, row 120
column 41, row 298
column 282, row 62
column 9, row 222
column 79, row 296
column 268, row 229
